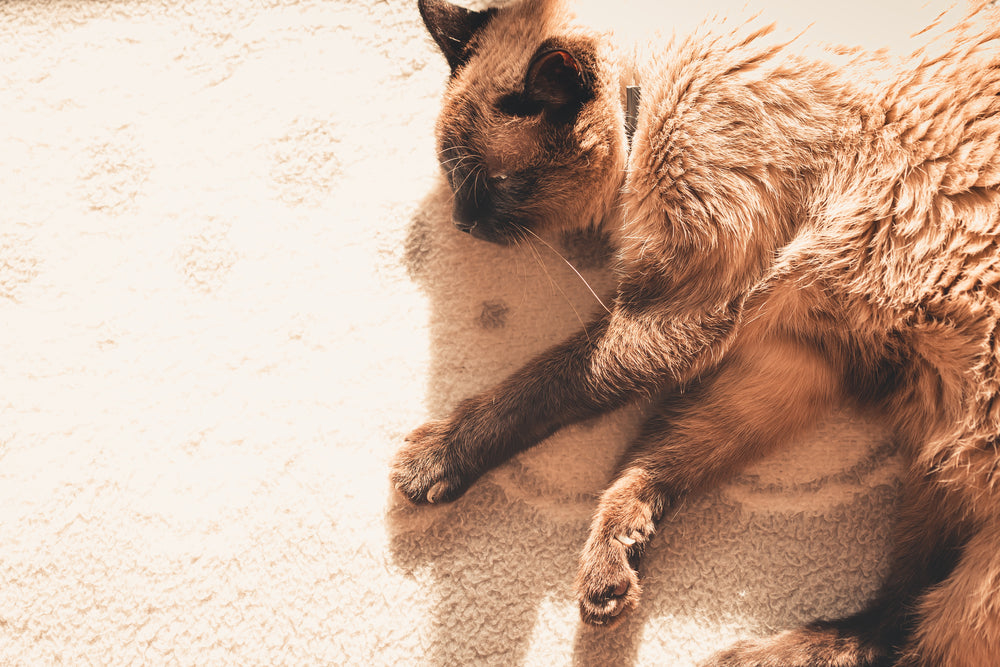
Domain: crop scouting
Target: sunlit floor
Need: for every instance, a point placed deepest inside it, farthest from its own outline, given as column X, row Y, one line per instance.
column 229, row 286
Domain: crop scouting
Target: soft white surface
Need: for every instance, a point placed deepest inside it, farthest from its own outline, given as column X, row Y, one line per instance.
column 228, row 287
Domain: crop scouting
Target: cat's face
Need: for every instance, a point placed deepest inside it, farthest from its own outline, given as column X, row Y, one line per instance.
column 530, row 134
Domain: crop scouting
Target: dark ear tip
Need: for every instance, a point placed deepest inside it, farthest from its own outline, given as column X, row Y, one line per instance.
column 452, row 27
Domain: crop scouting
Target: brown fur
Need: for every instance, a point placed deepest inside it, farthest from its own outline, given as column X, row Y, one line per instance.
column 790, row 233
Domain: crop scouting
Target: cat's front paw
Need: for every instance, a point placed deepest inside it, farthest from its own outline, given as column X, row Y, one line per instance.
column 425, row 469
column 607, row 585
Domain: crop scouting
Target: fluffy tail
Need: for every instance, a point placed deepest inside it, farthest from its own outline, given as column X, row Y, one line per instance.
column 862, row 640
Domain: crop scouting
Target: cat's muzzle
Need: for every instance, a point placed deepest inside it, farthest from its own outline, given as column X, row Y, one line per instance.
column 482, row 223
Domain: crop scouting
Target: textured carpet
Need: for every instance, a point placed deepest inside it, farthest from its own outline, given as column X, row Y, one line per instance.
column 229, row 285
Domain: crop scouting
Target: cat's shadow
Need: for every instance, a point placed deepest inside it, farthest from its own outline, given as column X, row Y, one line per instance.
column 497, row 563
column 496, row 567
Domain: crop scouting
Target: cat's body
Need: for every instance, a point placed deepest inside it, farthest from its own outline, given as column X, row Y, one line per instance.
column 789, row 235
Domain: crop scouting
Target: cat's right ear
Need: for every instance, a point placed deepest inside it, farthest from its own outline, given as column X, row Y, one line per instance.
column 452, row 27
column 557, row 81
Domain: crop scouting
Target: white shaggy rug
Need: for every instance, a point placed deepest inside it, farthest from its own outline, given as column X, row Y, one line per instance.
column 229, row 285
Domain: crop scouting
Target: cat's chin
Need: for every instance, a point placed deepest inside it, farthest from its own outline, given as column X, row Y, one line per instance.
column 495, row 240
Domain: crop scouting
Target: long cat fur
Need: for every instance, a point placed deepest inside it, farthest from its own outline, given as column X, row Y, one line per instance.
column 789, row 233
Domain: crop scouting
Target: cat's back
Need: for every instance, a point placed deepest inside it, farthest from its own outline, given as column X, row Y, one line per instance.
column 890, row 166
column 884, row 181
column 904, row 243
column 930, row 174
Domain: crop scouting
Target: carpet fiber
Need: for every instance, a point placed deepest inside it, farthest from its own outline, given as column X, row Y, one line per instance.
column 229, row 285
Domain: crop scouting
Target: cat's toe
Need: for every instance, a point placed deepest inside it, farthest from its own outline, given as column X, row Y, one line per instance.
column 407, row 486
column 731, row 657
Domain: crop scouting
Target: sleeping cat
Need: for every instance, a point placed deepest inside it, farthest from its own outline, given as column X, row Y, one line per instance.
column 788, row 233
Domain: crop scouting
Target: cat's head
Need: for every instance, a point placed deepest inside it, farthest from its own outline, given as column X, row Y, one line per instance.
column 531, row 131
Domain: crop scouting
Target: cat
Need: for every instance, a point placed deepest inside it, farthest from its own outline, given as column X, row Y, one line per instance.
column 789, row 233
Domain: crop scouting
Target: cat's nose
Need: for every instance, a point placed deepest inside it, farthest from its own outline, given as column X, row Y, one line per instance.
column 466, row 227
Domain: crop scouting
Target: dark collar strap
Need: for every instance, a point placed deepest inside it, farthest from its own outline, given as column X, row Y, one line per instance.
column 632, row 96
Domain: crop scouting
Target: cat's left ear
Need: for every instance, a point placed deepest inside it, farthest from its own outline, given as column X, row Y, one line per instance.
column 557, row 80
column 452, row 27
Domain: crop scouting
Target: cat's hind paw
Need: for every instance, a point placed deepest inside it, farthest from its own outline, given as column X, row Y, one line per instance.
column 606, row 585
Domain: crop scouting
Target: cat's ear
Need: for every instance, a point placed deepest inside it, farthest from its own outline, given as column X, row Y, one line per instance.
column 452, row 27
column 557, row 81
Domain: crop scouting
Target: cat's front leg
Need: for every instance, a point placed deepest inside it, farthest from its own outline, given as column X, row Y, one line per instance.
column 440, row 459
column 621, row 354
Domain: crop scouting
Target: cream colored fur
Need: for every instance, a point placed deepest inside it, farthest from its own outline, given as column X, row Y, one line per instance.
column 790, row 232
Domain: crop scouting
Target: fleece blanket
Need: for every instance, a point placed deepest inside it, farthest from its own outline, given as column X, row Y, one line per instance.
column 229, row 285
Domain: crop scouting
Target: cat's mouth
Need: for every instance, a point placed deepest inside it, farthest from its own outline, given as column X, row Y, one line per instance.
column 466, row 227
column 500, row 234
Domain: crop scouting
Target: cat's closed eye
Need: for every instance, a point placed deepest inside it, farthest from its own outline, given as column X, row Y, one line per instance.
column 519, row 106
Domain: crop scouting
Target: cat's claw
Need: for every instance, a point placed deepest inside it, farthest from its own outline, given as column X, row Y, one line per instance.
column 437, row 492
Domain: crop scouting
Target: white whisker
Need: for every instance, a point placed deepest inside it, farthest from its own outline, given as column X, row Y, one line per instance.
column 538, row 259
column 578, row 274
column 464, row 180
column 475, row 184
